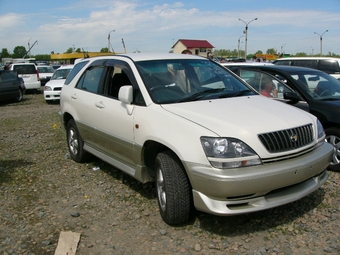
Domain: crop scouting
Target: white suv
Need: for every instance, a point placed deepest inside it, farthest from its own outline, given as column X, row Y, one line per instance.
column 29, row 73
column 205, row 137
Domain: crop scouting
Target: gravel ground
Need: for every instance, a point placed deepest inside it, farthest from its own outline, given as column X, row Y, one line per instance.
column 43, row 192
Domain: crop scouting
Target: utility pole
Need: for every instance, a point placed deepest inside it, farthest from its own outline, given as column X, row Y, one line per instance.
column 124, row 45
column 246, row 33
column 321, row 41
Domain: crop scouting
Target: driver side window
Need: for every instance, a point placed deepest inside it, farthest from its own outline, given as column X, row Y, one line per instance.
column 90, row 80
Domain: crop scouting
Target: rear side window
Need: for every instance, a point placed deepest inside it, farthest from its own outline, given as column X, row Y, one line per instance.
column 329, row 66
column 75, row 70
column 282, row 62
column 25, row 69
column 306, row 63
column 8, row 76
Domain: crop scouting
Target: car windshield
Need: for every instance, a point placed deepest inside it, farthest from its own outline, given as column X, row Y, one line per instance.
column 60, row 74
column 264, row 83
column 45, row 69
column 319, row 85
column 173, row 81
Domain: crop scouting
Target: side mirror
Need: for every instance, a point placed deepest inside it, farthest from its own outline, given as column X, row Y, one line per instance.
column 292, row 96
column 125, row 94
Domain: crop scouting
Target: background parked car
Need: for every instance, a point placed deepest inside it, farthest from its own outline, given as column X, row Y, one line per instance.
column 53, row 88
column 29, row 73
column 316, row 91
column 45, row 73
column 326, row 64
column 55, row 67
column 11, row 86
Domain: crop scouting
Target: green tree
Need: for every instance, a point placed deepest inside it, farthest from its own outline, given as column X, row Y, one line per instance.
column 46, row 57
column 106, row 49
column 4, row 53
column 19, row 52
column 69, row 50
column 78, row 50
column 301, row 54
column 271, row 51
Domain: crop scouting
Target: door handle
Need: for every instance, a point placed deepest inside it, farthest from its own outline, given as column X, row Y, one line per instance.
column 100, row 105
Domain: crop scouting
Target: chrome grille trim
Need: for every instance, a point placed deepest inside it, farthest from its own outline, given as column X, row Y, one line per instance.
column 288, row 139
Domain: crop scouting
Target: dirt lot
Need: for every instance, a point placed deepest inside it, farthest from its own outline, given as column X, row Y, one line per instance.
column 43, row 192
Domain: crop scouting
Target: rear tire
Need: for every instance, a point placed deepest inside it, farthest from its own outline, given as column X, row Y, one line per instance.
column 333, row 137
column 75, row 143
column 21, row 96
column 173, row 189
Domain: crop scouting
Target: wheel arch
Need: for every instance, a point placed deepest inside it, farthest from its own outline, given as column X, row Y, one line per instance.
column 66, row 118
column 149, row 153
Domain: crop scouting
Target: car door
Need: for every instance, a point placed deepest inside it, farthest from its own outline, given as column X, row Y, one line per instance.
column 109, row 126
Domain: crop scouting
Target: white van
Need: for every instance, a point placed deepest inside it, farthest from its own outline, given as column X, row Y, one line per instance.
column 326, row 64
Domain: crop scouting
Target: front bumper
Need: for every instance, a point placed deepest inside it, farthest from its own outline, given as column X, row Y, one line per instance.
column 52, row 95
column 250, row 189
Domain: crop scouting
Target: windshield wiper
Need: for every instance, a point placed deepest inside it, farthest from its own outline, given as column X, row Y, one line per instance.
column 235, row 94
column 329, row 99
column 197, row 95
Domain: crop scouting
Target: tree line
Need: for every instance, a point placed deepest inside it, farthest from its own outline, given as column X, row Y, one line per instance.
column 21, row 52
column 235, row 53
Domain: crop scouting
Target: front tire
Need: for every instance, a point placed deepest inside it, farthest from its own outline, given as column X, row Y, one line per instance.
column 333, row 137
column 75, row 143
column 173, row 189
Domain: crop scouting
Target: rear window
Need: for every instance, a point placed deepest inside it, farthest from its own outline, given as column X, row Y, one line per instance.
column 329, row 66
column 45, row 69
column 25, row 69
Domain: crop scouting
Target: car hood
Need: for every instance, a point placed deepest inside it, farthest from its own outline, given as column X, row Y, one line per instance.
column 55, row 83
column 332, row 103
column 241, row 115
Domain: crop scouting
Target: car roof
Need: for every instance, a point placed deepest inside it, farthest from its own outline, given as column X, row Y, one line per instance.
column 307, row 58
column 283, row 68
column 246, row 64
column 147, row 56
column 24, row 63
column 65, row 67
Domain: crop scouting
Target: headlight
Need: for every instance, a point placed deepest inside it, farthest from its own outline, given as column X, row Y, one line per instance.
column 226, row 152
column 321, row 131
column 48, row 88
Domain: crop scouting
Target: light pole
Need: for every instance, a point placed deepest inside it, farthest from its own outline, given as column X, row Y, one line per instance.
column 246, row 33
column 29, row 46
column 238, row 46
column 321, row 41
column 282, row 48
column 108, row 39
column 312, row 51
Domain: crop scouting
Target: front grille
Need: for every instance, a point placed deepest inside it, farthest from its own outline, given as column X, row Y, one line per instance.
column 57, row 89
column 289, row 139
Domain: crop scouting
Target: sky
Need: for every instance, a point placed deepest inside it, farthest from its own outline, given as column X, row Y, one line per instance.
column 155, row 26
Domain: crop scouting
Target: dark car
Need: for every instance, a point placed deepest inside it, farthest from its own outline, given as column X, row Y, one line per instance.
column 12, row 87
column 315, row 91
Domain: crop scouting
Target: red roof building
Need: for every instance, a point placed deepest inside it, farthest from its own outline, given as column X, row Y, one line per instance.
column 197, row 47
